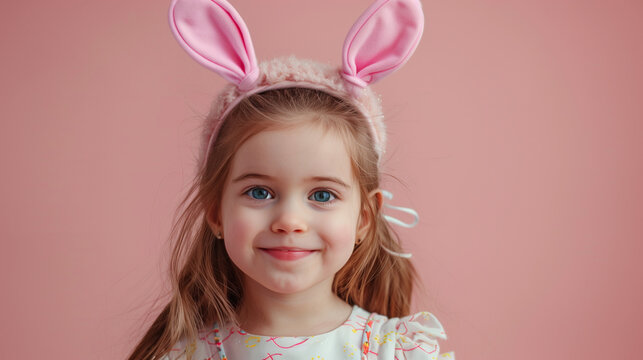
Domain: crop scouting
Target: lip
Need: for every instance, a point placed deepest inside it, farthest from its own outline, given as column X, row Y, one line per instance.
column 287, row 253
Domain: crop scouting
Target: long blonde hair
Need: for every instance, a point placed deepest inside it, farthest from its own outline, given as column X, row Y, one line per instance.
column 207, row 286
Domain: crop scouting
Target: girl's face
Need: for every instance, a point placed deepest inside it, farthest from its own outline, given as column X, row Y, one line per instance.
column 290, row 209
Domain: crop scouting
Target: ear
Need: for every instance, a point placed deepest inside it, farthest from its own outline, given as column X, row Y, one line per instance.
column 213, row 221
column 215, row 35
column 379, row 198
column 366, row 218
column 381, row 40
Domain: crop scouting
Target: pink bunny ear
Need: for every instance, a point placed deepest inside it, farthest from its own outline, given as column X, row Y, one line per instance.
column 382, row 40
column 214, row 34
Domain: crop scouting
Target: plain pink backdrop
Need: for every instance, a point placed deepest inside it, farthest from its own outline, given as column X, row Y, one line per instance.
column 516, row 128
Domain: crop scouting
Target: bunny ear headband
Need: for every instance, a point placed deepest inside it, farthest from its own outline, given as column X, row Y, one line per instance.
column 382, row 39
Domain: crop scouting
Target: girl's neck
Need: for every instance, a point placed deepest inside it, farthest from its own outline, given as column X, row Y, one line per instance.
column 311, row 312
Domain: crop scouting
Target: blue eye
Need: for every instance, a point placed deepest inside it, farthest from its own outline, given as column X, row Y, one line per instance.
column 259, row 193
column 322, row 196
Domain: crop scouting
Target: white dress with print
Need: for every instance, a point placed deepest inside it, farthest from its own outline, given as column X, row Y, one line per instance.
column 411, row 337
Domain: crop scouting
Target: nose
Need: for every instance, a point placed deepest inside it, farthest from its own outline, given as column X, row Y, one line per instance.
column 289, row 219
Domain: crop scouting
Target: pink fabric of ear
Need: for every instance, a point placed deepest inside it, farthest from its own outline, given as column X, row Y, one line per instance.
column 216, row 36
column 382, row 40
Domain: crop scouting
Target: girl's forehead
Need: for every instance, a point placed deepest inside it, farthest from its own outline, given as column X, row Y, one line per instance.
column 308, row 150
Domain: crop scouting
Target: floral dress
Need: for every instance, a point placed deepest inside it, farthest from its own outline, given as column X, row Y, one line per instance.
column 362, row 336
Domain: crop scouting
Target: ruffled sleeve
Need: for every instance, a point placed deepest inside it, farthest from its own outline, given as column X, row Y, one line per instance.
column 411, row 337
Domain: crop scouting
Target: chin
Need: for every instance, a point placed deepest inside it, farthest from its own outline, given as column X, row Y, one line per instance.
column 288, row 286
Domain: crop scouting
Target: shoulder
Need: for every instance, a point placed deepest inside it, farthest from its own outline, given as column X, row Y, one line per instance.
column 198, row 349
column 411, row 337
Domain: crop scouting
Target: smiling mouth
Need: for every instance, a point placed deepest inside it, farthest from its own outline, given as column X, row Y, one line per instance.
column 287, row 253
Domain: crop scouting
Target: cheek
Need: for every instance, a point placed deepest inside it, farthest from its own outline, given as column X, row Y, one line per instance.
column 341, row 231
column 239, row 233
column 340, row 243
column 238, row 225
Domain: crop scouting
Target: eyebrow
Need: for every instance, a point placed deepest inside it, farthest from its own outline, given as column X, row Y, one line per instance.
column 310, row 179
column 251, row 176
column 331, row 179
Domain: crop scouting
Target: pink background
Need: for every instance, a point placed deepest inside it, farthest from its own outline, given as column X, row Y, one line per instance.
column 516, row 129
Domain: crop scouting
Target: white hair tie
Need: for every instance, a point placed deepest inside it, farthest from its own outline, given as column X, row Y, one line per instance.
column 416, row 218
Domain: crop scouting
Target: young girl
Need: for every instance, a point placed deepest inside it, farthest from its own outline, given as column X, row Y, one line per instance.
column 283, row 251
